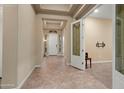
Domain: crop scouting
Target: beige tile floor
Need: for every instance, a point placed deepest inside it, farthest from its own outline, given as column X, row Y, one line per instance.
column 55, row 74
column 103, row 73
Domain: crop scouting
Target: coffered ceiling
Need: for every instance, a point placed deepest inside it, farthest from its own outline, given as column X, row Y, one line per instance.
column 53, row 24
column 57, row 9
column 75, row 11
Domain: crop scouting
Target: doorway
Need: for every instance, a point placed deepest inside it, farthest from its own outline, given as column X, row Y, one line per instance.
column 98, row 43
column 92, row 36
column 52, row 43
column 77, row 45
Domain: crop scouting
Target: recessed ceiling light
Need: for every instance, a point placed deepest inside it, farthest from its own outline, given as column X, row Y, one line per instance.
column 96, row 10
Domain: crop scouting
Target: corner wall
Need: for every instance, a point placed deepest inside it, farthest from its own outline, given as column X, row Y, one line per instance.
column 40, row 43
column 27, row 54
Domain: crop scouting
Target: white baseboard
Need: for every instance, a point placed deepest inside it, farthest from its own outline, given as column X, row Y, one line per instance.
column 102, row 61
column 23, row 81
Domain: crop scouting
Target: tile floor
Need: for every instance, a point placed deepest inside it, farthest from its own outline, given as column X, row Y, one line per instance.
column 102, row 72
column 55, row 74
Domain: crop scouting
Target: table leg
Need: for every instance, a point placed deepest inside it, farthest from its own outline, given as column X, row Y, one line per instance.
column 90, row 63
column 86, row 64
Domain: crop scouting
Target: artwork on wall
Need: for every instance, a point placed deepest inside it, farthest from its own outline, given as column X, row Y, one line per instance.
column 100, row 44
column 76, row 39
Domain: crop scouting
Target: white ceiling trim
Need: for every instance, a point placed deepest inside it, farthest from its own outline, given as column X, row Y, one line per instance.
column 50, row 24
column 56, row 7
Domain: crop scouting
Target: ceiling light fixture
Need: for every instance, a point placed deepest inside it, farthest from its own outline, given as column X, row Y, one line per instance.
column 96, row 10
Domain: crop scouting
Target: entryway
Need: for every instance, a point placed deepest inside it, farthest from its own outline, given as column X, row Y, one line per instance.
column 52, row 43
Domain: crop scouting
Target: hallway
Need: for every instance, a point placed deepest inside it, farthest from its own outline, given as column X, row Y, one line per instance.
column 42, row 30
column 54, row 73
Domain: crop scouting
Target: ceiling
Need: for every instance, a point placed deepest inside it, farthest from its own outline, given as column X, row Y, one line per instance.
column 104, row 11
column 75, row 11
column 57, row 9
column 53, row 24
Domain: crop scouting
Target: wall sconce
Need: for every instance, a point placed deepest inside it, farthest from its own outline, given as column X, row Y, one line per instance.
column 44, row 40
column 102, row 44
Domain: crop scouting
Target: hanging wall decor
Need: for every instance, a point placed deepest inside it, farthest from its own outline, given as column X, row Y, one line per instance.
column 100, row 44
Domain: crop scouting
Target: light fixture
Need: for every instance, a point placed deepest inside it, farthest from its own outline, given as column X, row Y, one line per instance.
column 61, row 23
column 96, row 10
column 45, row 40
column 45, row 22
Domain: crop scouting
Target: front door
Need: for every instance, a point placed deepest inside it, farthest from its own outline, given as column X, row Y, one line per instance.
column 77, row 45
column 52, row 44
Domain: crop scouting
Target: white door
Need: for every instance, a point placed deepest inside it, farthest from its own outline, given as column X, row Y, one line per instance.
column 77, row 45
column 52, row 43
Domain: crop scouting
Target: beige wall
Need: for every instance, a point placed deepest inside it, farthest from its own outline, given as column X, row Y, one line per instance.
column 26, row 41
column 19, row 44
column 40, row 44
column 67, row 41
column 98, row 30
column 10, row 35
column 67, row 35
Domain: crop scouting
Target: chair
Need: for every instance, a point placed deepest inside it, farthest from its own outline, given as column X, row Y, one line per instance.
column 86, row 59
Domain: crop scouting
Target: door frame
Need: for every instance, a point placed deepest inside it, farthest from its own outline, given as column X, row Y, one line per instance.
column 117, row 77
column 83, row 33
column 83, row 27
